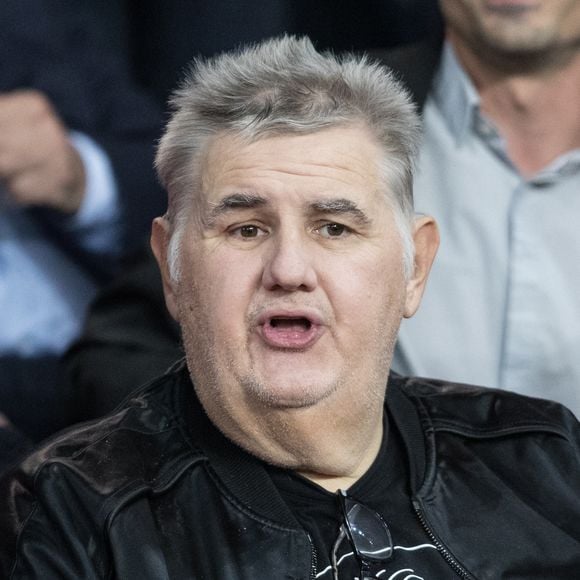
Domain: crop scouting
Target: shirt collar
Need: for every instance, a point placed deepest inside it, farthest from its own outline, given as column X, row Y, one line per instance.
column 457, row 99
column 455, row 95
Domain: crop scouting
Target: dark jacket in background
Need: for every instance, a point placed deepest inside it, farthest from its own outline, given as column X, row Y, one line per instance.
column 129, row 338
column 161, row 37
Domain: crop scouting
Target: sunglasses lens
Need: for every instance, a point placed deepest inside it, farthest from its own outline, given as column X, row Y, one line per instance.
column 370, row 534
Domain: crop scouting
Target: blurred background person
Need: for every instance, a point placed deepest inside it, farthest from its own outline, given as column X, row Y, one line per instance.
column 77, row 193
column 500, row 171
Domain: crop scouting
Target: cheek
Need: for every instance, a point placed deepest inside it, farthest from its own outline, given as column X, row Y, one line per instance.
column 570, row 25
column 368, row 290
column 221, row 286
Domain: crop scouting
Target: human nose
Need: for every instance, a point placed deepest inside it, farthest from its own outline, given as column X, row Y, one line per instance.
column 289, row 265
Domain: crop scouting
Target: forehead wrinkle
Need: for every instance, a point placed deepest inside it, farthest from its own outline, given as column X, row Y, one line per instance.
column 332, row 170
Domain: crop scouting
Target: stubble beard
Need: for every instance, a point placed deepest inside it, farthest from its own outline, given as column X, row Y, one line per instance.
column 516, row 48
column 217, row 377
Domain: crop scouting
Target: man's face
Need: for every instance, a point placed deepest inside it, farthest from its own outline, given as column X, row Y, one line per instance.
column 516, row 27
column 292, row 286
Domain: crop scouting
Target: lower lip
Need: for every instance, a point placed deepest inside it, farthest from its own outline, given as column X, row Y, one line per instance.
column 290, row 338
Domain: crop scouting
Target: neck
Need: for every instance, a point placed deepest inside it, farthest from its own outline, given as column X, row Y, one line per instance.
column 332, row 444
column 535, row 108
column 360, row 458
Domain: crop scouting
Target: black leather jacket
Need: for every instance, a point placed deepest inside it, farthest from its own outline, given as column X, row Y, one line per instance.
column 145, row 493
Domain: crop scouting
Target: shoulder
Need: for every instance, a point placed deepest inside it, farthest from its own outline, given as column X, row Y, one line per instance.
column 492, row 458
column 149, row 424
column 149, row 414
column 80, row 477
column 475, row 410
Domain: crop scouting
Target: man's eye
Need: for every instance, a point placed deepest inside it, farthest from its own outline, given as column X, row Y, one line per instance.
column 333, row 230
column 247, row 231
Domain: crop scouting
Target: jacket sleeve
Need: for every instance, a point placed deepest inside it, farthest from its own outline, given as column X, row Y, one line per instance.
column 98, row 93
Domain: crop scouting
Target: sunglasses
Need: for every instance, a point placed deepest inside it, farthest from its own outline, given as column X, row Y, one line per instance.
column 367, row 533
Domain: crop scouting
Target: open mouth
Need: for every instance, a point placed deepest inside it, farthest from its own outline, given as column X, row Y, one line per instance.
column 290, row 332
column 299, row 324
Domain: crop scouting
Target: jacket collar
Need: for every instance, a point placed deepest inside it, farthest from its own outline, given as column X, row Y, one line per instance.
column 241, row 476
column 406, row 418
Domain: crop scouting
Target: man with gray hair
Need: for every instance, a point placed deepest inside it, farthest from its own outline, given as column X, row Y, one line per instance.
column 281, row 447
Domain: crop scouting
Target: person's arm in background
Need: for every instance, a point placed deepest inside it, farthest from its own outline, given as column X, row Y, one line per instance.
column 124, row 121
column 77, row 137
column 39, row 166
column 77, row 132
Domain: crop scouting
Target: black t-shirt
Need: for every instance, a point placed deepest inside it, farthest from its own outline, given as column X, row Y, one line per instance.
column 385, row 489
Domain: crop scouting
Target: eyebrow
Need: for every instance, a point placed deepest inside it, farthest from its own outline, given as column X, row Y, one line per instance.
column 237, row 201
column 233, row 202
column 340, row 206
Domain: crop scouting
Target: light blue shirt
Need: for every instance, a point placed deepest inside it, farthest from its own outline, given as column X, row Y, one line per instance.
column 502, row 305
column 43, row 294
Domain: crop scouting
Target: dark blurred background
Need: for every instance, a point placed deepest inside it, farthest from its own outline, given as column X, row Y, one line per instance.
column 159, row 45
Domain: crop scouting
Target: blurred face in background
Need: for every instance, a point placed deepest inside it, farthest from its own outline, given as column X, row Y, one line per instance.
column 514, row 28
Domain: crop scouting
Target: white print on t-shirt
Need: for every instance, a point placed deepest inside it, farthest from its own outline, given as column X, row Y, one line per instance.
column 397, row 575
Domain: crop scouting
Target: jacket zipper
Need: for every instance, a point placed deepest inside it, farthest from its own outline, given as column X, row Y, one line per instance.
column 314, row 565
column 455, row 565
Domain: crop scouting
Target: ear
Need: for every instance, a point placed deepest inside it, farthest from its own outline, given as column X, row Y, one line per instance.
column 426, row 238
column 160, row 236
